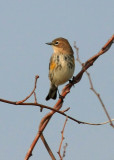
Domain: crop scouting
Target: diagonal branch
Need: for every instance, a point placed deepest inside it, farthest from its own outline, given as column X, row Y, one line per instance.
column 47, row 147
column 67, row 88
column 90, row 81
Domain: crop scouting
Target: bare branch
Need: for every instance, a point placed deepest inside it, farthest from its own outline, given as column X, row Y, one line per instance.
column 55, row 110
column 47, row 147
column 90, row 81
column 33, row 92
column 40, row 105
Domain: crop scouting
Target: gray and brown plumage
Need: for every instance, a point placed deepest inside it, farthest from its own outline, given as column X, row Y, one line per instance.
column 61, row 66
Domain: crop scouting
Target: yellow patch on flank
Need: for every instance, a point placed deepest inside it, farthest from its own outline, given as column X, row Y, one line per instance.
column 52, row 65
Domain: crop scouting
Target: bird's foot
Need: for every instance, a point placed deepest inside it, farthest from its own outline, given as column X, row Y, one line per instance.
column 72, row 81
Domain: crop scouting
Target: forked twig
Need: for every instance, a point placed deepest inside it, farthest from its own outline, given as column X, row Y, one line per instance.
column 33, row 92
column 91, row 84
column 55, row 110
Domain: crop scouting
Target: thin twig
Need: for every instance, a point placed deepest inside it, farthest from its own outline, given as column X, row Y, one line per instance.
column 47, row 147
column 62, row 138
column 65, row 110
column 91, row 84
column 55, row 110
column 19, row 102
column 35, row 99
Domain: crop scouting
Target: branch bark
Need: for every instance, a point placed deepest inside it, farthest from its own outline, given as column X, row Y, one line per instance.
column 91, row 86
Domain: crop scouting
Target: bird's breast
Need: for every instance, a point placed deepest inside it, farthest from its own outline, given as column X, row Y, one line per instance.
column 61, row 69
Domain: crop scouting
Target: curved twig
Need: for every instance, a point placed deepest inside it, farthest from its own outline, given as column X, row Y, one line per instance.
column 55, row 110
column 90, row 81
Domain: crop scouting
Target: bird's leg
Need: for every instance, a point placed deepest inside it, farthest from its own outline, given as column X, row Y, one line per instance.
column 60, row 96
column 71, row 80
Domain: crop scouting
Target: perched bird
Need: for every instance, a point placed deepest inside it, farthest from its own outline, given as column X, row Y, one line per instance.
column 61, row 66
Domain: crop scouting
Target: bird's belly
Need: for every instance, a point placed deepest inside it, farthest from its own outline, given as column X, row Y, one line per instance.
column 62, row 75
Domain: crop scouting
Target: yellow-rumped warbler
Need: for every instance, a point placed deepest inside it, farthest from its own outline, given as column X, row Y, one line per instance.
column 61, row 66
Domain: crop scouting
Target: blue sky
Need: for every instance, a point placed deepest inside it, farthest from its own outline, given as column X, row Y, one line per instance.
column 24, row 29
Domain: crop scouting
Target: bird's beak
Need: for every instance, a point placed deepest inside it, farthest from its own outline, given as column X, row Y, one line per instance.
column 49, row 43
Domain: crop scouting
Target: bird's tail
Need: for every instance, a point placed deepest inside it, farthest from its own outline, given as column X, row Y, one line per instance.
column 52, row 93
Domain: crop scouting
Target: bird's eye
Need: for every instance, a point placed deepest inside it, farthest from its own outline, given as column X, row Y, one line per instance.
column 56, row 43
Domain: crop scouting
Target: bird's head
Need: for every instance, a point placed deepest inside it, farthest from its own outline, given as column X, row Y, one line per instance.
column 61, row 45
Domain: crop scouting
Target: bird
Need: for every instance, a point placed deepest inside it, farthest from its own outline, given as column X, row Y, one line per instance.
column 61, row 65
